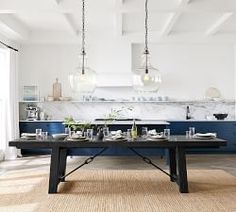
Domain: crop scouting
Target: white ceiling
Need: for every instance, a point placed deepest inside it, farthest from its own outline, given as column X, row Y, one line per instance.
column 170, row 20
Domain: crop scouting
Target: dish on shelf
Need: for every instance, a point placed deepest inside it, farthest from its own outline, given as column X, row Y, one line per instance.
column 213, row 94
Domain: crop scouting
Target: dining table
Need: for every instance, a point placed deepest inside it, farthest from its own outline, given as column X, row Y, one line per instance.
column 176, row 146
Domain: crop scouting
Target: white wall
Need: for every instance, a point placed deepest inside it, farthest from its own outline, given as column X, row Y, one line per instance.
column 188, row 70
column 40, row 64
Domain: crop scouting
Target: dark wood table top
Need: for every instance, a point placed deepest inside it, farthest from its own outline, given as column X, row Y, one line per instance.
column 174, row 141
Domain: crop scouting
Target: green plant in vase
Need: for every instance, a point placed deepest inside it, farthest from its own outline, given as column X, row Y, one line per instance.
column 84, row 126
column 115, row 114
column 75, row 125
column 70, row 123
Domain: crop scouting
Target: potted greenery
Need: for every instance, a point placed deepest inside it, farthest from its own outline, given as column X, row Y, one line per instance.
column 115, row 114
column 75, row 125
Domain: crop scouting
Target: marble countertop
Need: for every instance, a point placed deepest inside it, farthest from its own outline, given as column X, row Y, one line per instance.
column 143, row 122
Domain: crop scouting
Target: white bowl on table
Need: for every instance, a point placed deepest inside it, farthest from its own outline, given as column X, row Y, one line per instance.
column 59, row 136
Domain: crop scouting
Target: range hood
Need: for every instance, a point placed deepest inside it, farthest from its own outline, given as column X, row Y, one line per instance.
column 114, row 80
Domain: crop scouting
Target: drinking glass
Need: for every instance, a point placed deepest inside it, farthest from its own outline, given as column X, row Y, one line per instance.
column 191, row 131
column 167, row 133
column 129, row 134
column 85, row 134
column 90, row 134
column 38, row 134
column 144, row 132
column 106, row 132
column 67, row 130
column 44, row 135
column 71, row 133
column 187, row 134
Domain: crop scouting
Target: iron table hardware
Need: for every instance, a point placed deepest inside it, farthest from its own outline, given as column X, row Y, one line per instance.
column 87, row 161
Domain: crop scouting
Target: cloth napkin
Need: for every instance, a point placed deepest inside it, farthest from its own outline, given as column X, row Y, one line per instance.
column 152, row 132
column 28, row 134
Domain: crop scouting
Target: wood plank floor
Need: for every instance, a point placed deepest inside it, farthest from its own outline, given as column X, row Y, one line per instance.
column 201, row 161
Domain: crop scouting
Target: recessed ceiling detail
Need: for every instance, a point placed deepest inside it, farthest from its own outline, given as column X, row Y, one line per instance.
column 170, row 20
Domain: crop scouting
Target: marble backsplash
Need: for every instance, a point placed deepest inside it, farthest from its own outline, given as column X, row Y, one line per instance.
column 143, row 110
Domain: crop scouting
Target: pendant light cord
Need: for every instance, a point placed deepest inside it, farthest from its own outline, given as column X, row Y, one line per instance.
column 83, row 36
column 9, row 47
column 146, row 51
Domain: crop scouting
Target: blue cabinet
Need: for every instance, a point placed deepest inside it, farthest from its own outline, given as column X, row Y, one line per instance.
column 224, row 129
column 50, row 127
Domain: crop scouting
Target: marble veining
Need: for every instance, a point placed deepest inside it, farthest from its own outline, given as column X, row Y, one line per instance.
column 143, row 110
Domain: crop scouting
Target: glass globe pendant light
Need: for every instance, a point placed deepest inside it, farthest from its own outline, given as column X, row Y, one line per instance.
column 83, row 81
column 146, row 78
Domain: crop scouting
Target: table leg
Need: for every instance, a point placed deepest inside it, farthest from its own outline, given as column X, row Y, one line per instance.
column 172, row 164
column 54, row 170
column 62, row 165
column 182, row 170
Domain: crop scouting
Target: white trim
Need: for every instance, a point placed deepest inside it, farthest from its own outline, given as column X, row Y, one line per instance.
column 218, row 24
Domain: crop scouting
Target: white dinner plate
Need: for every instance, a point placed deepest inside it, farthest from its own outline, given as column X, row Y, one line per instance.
column 28, row 135
column 204, row 135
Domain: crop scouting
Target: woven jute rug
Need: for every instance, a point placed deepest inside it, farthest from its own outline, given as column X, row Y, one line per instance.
column 118, row 190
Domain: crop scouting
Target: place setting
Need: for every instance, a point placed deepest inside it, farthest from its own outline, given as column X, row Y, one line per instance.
column 117, row 135
column 38, row 135
column 132, row 135
column 80, row 136
column 28, row 136
column 191, row 133
column 153, row 135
